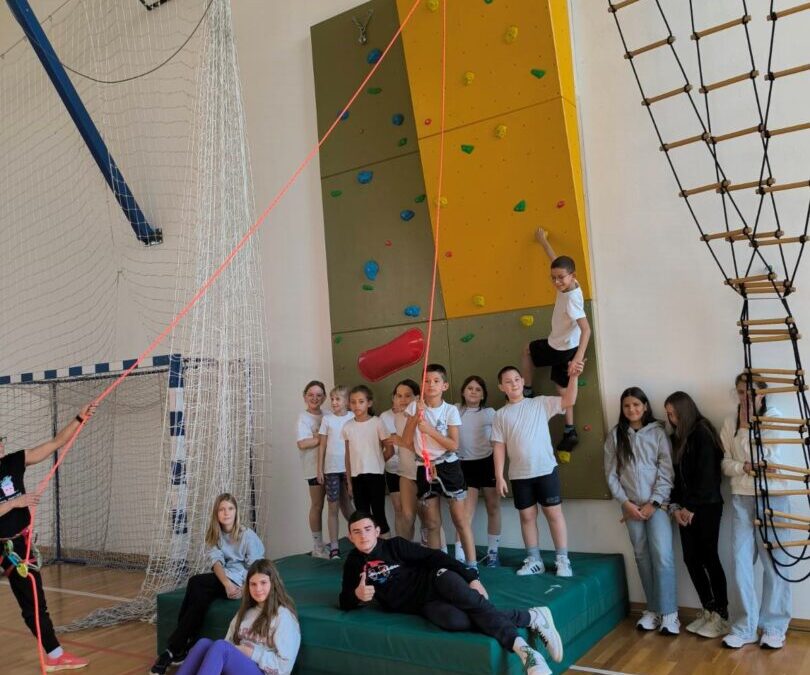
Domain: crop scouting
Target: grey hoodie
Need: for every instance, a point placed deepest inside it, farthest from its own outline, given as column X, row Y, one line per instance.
column 649, row 476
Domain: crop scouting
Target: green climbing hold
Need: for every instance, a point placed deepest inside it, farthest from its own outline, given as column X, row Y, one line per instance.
column 420, row 198
column 537, row 72
column 368, row 287
column 467, row 337
column 378, row 90
column 338, row 339
column 581, row 382
column 467, row 148
column 487, row 2
column 402, row 141
column 336, row 193
column 520, row 207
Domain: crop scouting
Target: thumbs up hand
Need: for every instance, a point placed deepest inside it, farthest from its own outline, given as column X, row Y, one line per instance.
column 363, row 592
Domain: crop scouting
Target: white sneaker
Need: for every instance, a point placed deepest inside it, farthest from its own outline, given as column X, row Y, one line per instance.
column 533, row 662
column 542, row 623
column 459, row 553
column 320, row 552
column 531, row 566
column 700, row 618
column 734, row 641
column 772, row 641
column 648, row 621
column 564, row 566
column 716, row 626
column 670, row 625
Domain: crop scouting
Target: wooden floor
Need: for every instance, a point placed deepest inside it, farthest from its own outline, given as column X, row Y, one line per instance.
column 128, row 649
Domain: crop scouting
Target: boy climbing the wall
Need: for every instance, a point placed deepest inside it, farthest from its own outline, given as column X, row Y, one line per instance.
column 564, row 349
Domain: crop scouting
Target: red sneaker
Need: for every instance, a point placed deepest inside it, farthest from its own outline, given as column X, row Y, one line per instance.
column 65, row 662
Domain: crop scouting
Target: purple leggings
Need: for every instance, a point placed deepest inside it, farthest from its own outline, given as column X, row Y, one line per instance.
column 217, row 658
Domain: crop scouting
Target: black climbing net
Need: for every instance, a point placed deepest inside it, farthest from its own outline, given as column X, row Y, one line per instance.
column 764, row 221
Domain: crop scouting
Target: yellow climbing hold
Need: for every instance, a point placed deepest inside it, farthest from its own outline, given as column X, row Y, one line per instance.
column 511, row 34
column 479, row 300
column 442, row 201
column 527, row 320
column 432, row 5
column 469, row 76
column 500, row 131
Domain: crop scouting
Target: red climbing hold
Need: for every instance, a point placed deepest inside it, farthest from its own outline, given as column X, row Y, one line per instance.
column 448, row 254
column 560, row 204
column 587, row 427
column 380, row 362
column 428, row 121
column 388, row 242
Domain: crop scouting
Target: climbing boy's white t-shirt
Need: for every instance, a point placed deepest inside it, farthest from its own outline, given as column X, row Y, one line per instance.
column 334, row 460
column 523, row 427
column 565, row 332
column 364, row 438
column 441, row 418
column 388, row 419
column 308, row 425
column 474, row 437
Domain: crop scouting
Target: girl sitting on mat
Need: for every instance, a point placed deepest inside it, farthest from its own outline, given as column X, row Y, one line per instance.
column 638, row 468
column 263, row 637
column 772, row 614
column 232, row 549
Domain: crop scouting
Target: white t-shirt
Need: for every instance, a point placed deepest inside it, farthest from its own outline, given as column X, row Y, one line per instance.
column 334, row 460
column 474, row 437
column 388, row 417
column 308, row 425
column 523, row 427
column 364, row 438
column 407, row 459
column 565, row 332
column 441, row 418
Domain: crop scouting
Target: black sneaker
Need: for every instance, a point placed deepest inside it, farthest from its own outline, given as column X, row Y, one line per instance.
column 162, row 664
column 528, row 392
column 177, row 659
column 568, row 442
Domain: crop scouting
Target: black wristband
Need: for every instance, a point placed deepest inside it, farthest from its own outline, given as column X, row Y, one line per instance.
column 80, row 419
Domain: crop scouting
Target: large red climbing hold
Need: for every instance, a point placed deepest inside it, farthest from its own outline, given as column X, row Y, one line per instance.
column 404, row 350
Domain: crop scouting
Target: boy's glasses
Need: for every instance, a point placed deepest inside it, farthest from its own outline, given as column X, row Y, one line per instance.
column 560, row 277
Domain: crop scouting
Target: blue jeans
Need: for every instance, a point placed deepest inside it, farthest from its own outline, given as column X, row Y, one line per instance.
column 772, row 615
column 652, row 547
column 217, row 658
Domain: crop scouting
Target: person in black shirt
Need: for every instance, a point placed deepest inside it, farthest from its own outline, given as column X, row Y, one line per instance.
column 405, row 577
column 15, row 523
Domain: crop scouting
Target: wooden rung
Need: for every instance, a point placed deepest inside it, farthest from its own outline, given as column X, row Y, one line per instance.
column 788, row 493
column 774, row 338
column 767, row 331
column 758, row 235
column 764, row 322
column 743, row 232
column 773, row 380
column 781, row 240
column 736, row 134
column 784, row 186
column 773, row 16
column 685, row 141
column 788, row 516
column 785, row 390
column 744, row 186
column 782, row 441
column 787, row 71
column 780, row 476
column 787, row 467
column 782, row 420
column 750, row 75
column 722, row 26
column 667, row 94
column 754, row 277
column 614, row 7
column 779, row 290
column 704, row 188
column 795, row 429
column 782, row 526
column 648, row 48
column 762, row 284
column 786, row 130
column 787, row 544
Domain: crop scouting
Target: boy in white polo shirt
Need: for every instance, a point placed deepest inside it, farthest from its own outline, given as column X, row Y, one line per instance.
column 566, row 344
column 520, row 429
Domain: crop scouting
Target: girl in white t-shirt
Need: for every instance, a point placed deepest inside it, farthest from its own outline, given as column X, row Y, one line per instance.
column 309, row 424
column 475, row 452
column 366, row 456
column 332, row 464
column 406, row 391
column 388, row 418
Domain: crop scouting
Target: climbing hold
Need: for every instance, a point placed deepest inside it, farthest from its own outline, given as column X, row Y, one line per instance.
column 442, row 201
column 336, row 193
column 467, row 337
column 467, row 148
column 487, row 2
column 338, row 339
column 500, row 131
column 388, row 242
column 406, row 215
column 374, row 90
column 560, row 204
column 428, row 121
column 581, row 382
column 343, row 115
column 373, row 56
column 586, row 427
column 537, row 72
column 419, row 198
column 371, row 269
column 402, row 141
column 364, row 177
column 527, row 320
column 448, row 254
column 520, row 207
column 511, row 34
column 564, row 456
column 479, row 300
column 412, row 310
column 397, row 119
column 367, row 287
column 469, row 76
column 404, row 350
column 432, row 5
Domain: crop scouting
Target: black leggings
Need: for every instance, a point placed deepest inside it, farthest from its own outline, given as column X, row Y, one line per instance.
column 699, row 543
column 369, row 496
column 455, row 606
column 201, row 591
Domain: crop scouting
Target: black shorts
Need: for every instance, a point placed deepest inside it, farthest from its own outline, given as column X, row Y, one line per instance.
column 543, row 355
column 392, row 482
column 543, row 490
column 449, row 482
column 479, row 473
column 312, row 482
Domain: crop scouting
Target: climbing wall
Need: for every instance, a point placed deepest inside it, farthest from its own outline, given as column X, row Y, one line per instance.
column 511, row 165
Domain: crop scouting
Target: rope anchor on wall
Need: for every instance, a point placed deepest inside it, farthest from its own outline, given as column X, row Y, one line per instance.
column 362, row 26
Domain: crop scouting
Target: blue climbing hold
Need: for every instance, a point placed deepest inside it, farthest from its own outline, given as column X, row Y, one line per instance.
column 373, row 56
column 364, row 177
column 343, row 115
column 412, row 310
column 406, row 215
column 398, row 119
column 371, row 269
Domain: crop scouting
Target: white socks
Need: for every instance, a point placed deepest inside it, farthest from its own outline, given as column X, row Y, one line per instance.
column 56, row 653
column 493, row 542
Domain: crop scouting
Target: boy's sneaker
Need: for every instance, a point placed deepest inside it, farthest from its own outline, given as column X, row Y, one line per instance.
column 459, row 554
column 670, row 625
column 648, row 621
column 528, row 392
column 701, row 617
column 716, row 626
column 772, row 641
column 542, row 623
column 564, row 566
column 568, row 442
column 67, row 661
column 734, row 641
column 162, row 664
column 320, row 552
column 492, row 559
column 334, row 554
column 534, row 663
column 531, row 566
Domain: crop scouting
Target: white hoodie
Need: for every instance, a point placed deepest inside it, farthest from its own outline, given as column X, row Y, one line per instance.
column 736, row 452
